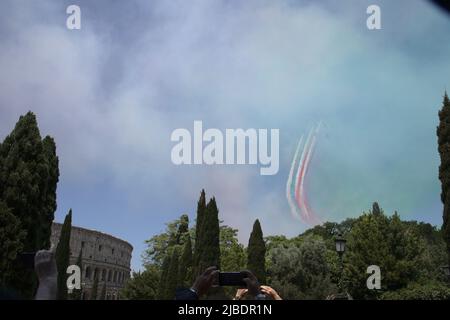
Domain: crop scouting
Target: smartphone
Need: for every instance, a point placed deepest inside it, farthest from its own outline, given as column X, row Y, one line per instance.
column 27, row 259
column 234, row 279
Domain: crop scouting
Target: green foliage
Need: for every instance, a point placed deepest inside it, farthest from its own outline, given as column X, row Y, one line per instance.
column 159, row 245
column 185, row 265
column 232, row 255
column 172, row 279
column 306, row 266
column 300, row 272
column 207, row 244
column 182, row 230
column 11, row 237
column 62, row 256
column 52, row 178
column 256, row 252
column 396, row 247
column 416, row 291
column 443, row 134
column 28, row 179
column 165, row 275
column 199, row 233
column 143, row 285
column 159, row 255
column 329, row 230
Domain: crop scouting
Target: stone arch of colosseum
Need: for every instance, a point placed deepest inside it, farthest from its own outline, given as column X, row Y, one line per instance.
column 103, row 256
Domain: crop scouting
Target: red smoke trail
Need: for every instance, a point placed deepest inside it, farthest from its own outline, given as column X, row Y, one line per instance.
column 306, row 212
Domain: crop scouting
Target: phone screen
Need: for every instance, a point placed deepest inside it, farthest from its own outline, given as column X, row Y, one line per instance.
column 234, row 279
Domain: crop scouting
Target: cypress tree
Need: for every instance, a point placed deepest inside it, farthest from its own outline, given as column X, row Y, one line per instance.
column 177, row 237
column 201, row 212
column 443, row 134
column 256, row 252
column 62, row 256
column 209, row 236
column 183, row 229
column 28, row 178
column 162, row 289
column 376, row 209
column 94, row 291
column 185, row 268
column 11, row 237
column 172, row 276
column 49, row 200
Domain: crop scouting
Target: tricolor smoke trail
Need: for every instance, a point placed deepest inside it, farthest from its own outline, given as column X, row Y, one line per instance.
column 295, row 189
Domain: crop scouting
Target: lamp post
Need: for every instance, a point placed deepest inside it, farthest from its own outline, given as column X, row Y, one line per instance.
column 340, row 249
column 446, row 271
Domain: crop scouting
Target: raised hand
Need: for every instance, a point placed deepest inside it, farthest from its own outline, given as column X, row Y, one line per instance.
column 270, row 292
column 253, row 286
column 205, row 281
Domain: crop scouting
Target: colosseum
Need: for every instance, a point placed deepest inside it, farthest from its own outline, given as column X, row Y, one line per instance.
column 103, row 255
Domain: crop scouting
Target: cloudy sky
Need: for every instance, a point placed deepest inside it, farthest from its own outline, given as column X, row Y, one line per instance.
column 112, row 93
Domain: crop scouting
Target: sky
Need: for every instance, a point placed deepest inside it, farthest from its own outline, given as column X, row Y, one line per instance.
column 112, row 92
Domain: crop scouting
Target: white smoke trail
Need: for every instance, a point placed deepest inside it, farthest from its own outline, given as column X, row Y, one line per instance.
column 301, row 173
column 302, row 181
column 294, row 209
column 299, row 176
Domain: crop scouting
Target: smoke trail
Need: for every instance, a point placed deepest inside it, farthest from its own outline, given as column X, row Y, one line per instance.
column 294, row 209
column 310, row 216
column 300, row 175
column 301, row 191
column 301, row 208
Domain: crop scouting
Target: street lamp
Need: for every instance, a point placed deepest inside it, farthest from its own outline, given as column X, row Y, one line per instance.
column 446, row 271
column 340, row 245
column 340, row 249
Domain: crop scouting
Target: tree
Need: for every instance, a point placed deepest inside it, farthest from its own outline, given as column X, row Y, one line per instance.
column 163, row 282
column 183, row 229
column 28, row 179
column 210, row 240
column 207, row 236
column 143, row 285
column 94, row 290
column 232, row 253
column 159, row 245
column 62, row 256
column 443, row 134
column 389, row 243
column 301, row 272
column 185, row 266
column 199, row 233
column 172, row 275
column 416, row 291
column 207, row 243
column 256, row 252
column 49, row 201
column 11, row 237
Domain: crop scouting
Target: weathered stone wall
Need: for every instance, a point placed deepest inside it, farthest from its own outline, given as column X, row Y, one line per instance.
column 103, row 255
